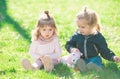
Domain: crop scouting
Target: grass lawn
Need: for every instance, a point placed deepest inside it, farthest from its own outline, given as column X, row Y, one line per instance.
column 18, row 18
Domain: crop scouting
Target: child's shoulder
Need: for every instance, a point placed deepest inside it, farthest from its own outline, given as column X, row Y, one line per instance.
column 35, row 42
column 99, row 37
column 55, row 38
column 76, row 34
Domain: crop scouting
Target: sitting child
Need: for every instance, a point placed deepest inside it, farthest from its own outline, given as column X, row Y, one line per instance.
column 45, row 47
column 90, row 42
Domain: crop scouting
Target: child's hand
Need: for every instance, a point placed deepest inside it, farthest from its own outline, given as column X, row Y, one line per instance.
column 41, row 56
column 116, row 59
column 75, row 50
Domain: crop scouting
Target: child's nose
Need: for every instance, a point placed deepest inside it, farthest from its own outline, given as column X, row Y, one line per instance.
column 47, row 32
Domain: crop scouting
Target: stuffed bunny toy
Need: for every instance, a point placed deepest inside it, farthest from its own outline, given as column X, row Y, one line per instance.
column 70, row 59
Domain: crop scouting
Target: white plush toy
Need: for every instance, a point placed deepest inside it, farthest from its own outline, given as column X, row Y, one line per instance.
column 71, row 59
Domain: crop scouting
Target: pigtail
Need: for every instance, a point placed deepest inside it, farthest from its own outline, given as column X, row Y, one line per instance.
column 98, row 25
column 85, row 10
column 98, row 28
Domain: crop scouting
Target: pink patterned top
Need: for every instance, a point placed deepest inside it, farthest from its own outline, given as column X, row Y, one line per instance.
column 52, row 48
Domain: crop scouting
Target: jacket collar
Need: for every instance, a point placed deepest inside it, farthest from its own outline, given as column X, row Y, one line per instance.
column 95, row 33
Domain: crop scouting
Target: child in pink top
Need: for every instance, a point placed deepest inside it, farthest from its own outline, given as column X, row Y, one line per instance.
column 45, row 48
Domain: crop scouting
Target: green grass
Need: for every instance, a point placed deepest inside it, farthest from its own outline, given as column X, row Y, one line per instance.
column 18, row 18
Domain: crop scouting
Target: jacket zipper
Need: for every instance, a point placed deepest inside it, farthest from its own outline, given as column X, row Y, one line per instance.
column 95, row 48
column 85, row 48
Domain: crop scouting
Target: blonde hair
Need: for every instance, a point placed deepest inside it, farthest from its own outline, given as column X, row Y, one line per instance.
column 44, row 20
column 90, row 16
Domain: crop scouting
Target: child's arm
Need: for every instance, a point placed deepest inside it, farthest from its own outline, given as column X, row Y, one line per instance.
column 33, row 50
column 71, row 43
column 57, row 51
column 103, row 49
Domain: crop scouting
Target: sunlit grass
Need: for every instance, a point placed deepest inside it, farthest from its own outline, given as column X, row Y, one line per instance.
column 18, row 18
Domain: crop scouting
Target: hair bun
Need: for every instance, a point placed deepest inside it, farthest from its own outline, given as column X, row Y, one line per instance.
column 46, row 12
column 85, row 9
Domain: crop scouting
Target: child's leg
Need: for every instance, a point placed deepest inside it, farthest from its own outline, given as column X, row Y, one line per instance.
column 55, row 61
column 81, row 65
column 94, row 63
column 93, row 66
column 28, row 66
column 48, row 64
column 37, row 64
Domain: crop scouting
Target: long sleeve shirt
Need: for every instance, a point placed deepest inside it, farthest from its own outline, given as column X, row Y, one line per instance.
column 90, row 46
column 51, row 49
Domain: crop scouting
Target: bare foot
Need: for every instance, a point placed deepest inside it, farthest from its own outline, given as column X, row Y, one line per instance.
column 47, row 62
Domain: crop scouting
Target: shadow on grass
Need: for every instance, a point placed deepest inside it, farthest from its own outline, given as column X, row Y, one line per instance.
column 10, row 70
column 110, row 71
column 5, row 18
column 113, row 67
column 63, row 71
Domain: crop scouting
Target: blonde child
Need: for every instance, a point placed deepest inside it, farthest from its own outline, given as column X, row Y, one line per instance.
column 90, row 42
column 45, row 48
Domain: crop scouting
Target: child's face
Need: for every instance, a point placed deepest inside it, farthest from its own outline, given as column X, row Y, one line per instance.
column 84, row 28
column 46, row 32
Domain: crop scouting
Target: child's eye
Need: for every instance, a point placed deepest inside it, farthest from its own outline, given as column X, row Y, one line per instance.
column 44, row 29
column 82, row 26
column 50, row 29
column 79, row 26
